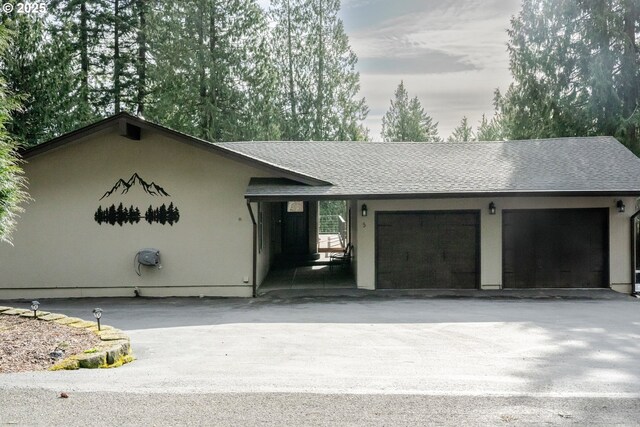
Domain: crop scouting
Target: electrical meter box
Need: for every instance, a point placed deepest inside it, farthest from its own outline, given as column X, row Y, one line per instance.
column 149, row 257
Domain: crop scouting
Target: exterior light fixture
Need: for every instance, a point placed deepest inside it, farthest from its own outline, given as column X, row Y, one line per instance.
column 97, row 313
column 34, row 306
column 364, row 210
column 620, row 206
column 492, row 208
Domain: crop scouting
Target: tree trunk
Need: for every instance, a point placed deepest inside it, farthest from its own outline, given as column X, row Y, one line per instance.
column 84, row 56
column 293, row 125
column 318, row 131
column 116, row 56
column 214, row 127
column 202, row 73
column 629, row 73
column 142, row 55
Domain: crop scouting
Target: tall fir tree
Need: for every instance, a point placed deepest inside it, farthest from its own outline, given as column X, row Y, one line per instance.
column 489, row 129
column 11, row 181
column 406, row 120
column 463, row 132
column 38, row 69
column 316, row 72
column 212, row 77
column 576, row 70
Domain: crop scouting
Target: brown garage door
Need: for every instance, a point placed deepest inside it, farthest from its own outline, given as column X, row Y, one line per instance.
column 429, row 250
column 563, row 248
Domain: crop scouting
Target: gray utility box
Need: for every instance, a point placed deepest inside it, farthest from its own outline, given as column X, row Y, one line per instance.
column 149, row 257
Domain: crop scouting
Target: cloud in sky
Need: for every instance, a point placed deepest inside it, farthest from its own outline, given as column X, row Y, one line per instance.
column 450, row 53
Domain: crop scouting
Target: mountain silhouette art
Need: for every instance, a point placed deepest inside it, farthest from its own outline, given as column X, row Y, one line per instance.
column 122, row 187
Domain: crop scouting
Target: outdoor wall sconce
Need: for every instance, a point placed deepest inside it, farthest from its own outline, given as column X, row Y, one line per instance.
column 97, row 313
column 34, row 306
column 620, row 206
column 492, row 208
column 364, row 210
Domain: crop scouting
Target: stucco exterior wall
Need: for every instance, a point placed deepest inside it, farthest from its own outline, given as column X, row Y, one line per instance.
column 491, row 232
column 61, row 251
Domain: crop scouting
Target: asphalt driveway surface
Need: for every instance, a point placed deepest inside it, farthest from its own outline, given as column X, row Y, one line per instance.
column 347, row 360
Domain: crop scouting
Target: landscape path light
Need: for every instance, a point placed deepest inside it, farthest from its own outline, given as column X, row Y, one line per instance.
column 34, row 306
column 97, row 313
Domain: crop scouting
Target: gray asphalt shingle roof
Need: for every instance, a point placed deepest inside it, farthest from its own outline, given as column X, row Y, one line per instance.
column 561, row 165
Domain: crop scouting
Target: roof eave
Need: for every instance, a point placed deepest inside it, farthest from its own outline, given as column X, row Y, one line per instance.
column 395, row 196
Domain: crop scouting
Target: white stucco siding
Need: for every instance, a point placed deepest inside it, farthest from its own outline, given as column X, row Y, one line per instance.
column 60, row 250
column 491, row 232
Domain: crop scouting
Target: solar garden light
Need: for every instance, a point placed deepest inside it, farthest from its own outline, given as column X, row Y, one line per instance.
column 97, row 313
column 34, row 306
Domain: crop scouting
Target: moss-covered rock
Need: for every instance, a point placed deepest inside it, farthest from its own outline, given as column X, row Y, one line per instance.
column 92, row 360
column 29, row 313
column 52, row 316
column 68, row 320
column 16, row 311
column 66, row 365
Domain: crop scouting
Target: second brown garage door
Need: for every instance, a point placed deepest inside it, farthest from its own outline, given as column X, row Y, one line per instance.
column 429, row 250
column 562, row 248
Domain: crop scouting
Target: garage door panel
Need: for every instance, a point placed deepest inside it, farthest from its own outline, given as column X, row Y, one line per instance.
column 564, row 248
column 427, row 250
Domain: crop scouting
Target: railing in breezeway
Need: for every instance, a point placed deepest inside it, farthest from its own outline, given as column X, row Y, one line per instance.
column 334, row 224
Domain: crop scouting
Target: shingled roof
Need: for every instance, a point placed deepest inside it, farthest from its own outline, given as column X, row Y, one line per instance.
column 332, row 170
column 560, row 166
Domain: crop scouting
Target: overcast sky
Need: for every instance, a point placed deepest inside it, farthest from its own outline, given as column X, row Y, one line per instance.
column 450, row 53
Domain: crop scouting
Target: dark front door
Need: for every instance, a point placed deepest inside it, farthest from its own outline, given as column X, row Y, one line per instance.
column 295, row 228
column 429, row 250
column 555, row 248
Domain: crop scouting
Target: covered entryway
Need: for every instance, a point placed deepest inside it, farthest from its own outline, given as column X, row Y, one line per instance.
column 427, row 250
column 555, row 248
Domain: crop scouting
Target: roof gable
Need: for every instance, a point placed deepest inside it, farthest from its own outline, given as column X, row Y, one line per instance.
column 131, row 127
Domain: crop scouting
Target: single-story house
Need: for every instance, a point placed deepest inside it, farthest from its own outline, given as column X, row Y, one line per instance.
column 553, row 213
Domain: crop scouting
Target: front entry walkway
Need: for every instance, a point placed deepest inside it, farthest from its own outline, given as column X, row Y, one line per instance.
column 308, row 277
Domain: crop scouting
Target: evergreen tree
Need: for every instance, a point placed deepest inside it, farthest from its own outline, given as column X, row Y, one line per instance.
column 316, row 72
column 463, row 132
column 38, row 69
column 170, row 214
column 212, row 77
column 121, row 216
column 81, row 24
column 406, row 120
column 162, row 214
column 98, row 215
column 11, row 180
column 576, row 70
column 111, row 215
column 490, row 130
column 148, row 216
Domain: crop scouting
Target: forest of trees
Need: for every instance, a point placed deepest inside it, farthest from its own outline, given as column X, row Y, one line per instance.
column 131, row 215
column 217, row 69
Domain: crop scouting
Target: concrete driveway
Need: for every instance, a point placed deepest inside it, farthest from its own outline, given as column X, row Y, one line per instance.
column 463, row 349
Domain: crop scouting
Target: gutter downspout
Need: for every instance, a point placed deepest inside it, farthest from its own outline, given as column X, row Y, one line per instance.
column 255, row 250
column 633, row 254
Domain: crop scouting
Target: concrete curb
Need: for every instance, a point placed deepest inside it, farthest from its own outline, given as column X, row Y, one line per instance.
column 113, row 351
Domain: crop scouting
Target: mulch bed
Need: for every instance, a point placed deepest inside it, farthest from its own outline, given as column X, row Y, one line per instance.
column 25, row 344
